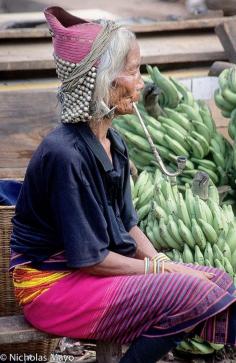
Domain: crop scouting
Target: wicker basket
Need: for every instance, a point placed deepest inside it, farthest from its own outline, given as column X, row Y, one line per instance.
column 8, row 303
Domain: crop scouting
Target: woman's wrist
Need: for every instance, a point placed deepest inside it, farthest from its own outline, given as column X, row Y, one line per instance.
column 155, row 265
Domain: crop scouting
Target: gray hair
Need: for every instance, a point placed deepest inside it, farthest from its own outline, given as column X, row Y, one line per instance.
column 111, row 64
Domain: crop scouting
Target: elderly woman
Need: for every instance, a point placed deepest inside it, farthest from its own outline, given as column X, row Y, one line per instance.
column 81, row 266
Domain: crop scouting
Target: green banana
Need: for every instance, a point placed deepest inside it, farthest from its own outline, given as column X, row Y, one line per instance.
column 218, row 264
column 158, row 238
column 215, row 145
column 224, row 78
column 216, row 346
column 221, row 102
column 217, row 219
column 206, row 163
column 226, row 251
column 190, row 112
column 207, row 118
column 137, row 141
column 177, row 256
column 201, row 348
column 226, row 225
column 143, row 211
column 169, row 90
column 209, row 231
column 159, row 212
column 233, row 260
column 175, row 193
column 213, row 194
column 174, row 231
column 170, row 254
column 208, row 254
column 172, row 123
column 199, row 208
column 229, row 96
column 198, row 235
column 189, row 200
column 202, row 140
column 186, row 234
column 217, row 253
column 217, row 157
column 178, row 118
column 221, row 142
column 229, row 213
column 175, row 134
column 232, row 79
column 187, row 95
column 228, row 267
column 198, row 256
column 223, row 177
column 203, row 130
column 231, row 237
column 207, row 263
column 146, row 197
column 157, row 136
column 175, row 146
column 196, row 147
column 226, row 114
column 183, row 211
column 164, row 233
column 166, row 189
column 159, row 198
column 142, row 180
column 142, row 157
column 232, row 129
column 187, row 254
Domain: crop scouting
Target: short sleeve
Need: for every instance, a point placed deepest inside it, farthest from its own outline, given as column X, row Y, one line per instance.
column 128, row 214
column 77, row 216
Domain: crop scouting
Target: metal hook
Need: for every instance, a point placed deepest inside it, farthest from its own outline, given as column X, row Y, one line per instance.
column 181, row 160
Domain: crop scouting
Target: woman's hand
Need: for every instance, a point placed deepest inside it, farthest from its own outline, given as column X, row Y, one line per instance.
column 173, row 267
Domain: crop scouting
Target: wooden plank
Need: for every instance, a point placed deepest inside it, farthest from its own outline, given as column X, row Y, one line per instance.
column 227, row 35
column 164, row 49
column 158, row 49
column 38, row 16
column 160, row 26
column 15, row 329
column 23, row 124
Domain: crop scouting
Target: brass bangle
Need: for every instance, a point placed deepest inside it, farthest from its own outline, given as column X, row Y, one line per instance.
column 146, row 265
column 154, row 266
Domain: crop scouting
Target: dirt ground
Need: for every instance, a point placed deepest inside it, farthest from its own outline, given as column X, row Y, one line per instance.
column 155, row 9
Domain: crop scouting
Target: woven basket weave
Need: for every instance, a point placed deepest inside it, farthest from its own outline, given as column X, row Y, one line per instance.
column 8, row 303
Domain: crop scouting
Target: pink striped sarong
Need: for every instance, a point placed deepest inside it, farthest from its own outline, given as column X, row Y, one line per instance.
column 121, row 308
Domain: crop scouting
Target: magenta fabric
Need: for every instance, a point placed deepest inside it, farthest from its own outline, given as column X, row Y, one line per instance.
column 72, row 37
column 122, row 308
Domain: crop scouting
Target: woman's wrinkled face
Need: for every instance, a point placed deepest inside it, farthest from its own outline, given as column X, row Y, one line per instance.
column 127, row 86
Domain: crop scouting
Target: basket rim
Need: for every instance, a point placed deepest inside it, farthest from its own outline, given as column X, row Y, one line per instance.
column 2, row 207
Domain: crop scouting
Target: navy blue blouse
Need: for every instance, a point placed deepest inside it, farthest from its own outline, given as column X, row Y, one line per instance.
column 75, row 200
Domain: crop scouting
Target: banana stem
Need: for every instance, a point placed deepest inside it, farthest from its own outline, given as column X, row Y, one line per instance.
column 181, row 160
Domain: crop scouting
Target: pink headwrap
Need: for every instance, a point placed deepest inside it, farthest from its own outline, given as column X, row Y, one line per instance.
column 72, row 37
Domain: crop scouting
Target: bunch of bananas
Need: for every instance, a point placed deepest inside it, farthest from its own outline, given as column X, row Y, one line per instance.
column 197, row 345
column 225, row 96
column 187, row 228
column 184, row 127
